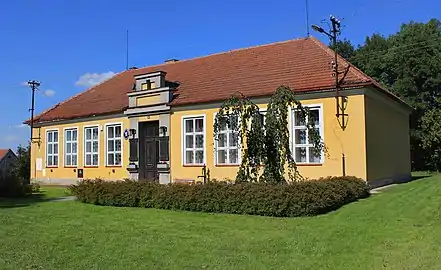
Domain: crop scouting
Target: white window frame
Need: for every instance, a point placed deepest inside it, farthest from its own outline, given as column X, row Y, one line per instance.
column 307, row 145
column 228, row 147
column 91, row 146
column 53, row 145
column 194, row 133
column 65, row 142
column 107, row 145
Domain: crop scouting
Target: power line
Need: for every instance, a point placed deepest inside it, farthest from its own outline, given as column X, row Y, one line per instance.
column 391, row 51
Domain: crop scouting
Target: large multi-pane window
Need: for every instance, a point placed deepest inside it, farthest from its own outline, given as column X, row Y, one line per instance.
column 194, row 137
column 114, row 145
column 303, row 149
column 91, row 144
column 227, row 142
column 70, row 147
column 52, row 148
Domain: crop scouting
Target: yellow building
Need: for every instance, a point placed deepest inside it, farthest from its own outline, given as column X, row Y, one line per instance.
column 156, row 123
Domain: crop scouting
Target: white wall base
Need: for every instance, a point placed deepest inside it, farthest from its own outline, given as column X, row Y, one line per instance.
column 53, row 181
column 164, row 178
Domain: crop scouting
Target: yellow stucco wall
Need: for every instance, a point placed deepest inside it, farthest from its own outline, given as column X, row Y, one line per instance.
column 375, row 143
column 387, row 140
column 148, row 100
column 61, row 172
column 351, row 141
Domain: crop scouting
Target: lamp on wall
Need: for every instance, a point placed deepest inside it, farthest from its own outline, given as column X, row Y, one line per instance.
column 133, row 132
column 164, row 130
column 344, row 100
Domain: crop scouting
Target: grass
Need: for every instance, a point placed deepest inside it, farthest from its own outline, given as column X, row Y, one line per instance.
column 46, row 194
column 398, row 228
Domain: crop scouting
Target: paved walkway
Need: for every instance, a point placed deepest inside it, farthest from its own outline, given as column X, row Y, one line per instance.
column 64, row 199
column 379, row 189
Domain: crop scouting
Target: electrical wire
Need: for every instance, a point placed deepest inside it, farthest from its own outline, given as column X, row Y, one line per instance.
column 391, row 51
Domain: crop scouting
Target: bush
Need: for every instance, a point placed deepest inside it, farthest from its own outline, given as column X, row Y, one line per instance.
column 14, row 187
column 35, row 187
column 305, row 198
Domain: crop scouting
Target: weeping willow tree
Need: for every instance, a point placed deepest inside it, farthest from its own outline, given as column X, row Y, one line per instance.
column 264, row 139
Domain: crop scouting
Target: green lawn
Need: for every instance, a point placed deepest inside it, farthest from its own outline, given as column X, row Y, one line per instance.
column 399, row 228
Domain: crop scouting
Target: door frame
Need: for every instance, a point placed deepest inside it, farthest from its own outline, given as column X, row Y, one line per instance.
column 143, row 137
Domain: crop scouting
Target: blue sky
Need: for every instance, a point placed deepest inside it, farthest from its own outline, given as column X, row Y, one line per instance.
column 69, row 45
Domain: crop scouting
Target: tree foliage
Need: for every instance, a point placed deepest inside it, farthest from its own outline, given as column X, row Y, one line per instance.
column 408, row 63
column 344, row 48
column 22, row 168
column 250, row 129
column 266, row 142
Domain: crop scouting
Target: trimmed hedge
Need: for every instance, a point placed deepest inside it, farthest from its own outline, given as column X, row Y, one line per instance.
column 304, row 198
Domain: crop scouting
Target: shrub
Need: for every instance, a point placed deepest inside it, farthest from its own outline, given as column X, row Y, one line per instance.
column 13, row 187
column 35, row 187
column 304, row 198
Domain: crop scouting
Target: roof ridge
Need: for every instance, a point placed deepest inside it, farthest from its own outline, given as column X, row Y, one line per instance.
column 360, row 74
column 225, row 52
column 75, row 96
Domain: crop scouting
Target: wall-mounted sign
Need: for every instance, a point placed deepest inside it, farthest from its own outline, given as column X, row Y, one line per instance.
column 126, row 134
column 80, row 173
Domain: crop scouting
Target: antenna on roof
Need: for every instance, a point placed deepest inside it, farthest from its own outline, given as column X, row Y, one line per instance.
column 127, row 49
column 307, row 18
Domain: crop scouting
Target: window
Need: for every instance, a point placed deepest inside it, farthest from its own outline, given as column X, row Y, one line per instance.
column 52, row 148
column 164, row 144
column 148, row 85
column 194, row 137
column 114, row 145
column 303, row 150
column 70, row 147
column 227, row 143
column 91, row 144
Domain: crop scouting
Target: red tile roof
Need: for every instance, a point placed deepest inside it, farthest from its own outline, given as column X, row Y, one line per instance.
column 302, row 64
column 3, row 152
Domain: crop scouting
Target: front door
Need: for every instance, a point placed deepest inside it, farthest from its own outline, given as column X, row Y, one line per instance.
column 149, row 151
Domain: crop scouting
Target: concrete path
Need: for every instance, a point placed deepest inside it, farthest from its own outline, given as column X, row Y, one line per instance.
column 64, row 199
column 379, row 189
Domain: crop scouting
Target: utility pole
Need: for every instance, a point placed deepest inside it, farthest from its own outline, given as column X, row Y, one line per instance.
column 340, row 101
column 33, row 85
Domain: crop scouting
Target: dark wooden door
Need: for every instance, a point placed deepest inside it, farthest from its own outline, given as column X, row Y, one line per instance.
column 149, row 151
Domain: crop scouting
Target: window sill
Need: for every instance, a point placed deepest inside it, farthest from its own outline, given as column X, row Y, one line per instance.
column 51, row 167
column 91, row 166
column 70, row 167
column 227, row 165
column 193, row 165
column 111, row 166
column 309, row 164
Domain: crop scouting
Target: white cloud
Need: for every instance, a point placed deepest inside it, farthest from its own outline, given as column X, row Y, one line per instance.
column 21, row 126
column 24, row 83
column 49, row 92
column 91, row 79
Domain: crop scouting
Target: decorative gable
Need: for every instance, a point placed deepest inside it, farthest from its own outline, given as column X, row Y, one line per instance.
column 150, row 81
column 151, row 94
